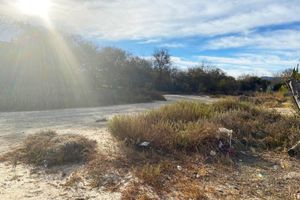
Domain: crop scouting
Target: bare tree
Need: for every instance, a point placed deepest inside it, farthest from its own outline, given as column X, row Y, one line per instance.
column 162, row 60
column 162, row 64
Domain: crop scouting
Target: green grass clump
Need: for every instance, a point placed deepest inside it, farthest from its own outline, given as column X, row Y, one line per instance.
column 193, row 126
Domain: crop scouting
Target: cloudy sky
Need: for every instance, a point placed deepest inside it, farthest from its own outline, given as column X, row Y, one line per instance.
column 255, row 36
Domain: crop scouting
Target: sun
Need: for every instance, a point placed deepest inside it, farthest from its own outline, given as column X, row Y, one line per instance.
column 38, row 8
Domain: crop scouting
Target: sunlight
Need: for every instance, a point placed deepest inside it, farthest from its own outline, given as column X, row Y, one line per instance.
column 38, row 8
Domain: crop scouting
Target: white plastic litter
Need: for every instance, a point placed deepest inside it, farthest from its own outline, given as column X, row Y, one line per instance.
column 228, row 132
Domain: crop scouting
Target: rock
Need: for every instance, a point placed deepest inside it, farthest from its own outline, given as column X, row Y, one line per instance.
column 228, row 132
column 253, row 150
column 260, row 176
column 109, row 179
column 284, row 164
column 225, row 130
column 275, row 167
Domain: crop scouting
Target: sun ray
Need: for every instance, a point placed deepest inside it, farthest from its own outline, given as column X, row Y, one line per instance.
column 38, row 8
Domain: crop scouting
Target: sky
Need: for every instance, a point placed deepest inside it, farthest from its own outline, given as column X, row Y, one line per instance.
column 259, row 37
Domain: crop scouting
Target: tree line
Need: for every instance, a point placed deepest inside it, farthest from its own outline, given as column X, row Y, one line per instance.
column 41, row 70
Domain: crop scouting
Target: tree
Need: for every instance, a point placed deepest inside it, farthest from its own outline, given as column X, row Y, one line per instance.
column 162, row 65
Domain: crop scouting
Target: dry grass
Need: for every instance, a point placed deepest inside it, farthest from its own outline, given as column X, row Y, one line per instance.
column 182, row 137
column 268, row 100
column 193, row 127
column 191, row 190
column 154, row 174
column 49, row 148
column 134, row 191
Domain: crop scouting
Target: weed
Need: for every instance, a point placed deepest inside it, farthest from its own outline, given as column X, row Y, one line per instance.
column 49, row 148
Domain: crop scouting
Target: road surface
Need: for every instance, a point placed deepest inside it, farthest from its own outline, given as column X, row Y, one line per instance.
column 15, row 125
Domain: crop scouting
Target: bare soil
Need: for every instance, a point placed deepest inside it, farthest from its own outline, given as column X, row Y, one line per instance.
column 253, row 175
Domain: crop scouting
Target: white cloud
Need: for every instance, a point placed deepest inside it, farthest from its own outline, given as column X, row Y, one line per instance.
column 172, row 45
column 149, row 41
column 156, row 21
column 250, row 64
column 142, row 19
column 183, row 63
column 280, row 39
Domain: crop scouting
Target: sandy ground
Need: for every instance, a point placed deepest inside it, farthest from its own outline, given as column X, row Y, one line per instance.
column 267, row 175
column 26, row 182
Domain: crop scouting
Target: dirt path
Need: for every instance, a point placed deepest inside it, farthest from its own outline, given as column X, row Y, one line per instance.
column 15, row 125
column 25, row 182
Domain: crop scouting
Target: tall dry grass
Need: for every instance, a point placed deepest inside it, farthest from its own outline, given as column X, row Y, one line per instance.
column 193, row 126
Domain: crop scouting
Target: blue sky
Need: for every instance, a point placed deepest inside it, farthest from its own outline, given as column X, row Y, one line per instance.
column 259, row 37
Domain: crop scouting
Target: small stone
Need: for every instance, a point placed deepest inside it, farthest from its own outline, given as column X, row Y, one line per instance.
column 284, row 164
column 275, row 167
column 253, row 150
column 260, row 176
column 213, row 153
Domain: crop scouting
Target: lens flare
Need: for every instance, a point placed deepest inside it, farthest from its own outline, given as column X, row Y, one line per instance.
column 38, row 8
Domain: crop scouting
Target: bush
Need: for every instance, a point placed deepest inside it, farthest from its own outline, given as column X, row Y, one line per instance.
column 193, row 127
column 49, row 148
column 268, row 100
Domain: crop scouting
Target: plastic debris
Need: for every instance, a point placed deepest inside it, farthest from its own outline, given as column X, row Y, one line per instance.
column 295, row 150
column 179, row 168
column 220, row 144
column 144, row 144
column 45, row 163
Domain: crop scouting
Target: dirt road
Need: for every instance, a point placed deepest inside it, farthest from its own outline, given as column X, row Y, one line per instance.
column 15, row 125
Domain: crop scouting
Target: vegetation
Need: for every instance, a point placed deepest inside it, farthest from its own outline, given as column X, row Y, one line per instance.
column 193, row 127
column 49, row 148
column 63, row 72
